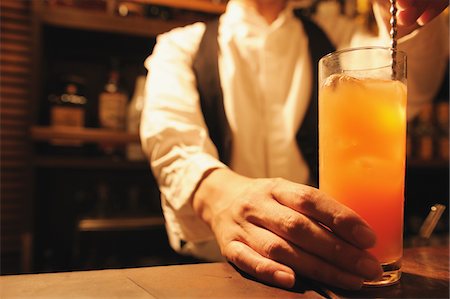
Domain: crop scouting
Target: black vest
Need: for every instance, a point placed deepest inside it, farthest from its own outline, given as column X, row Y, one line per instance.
column 206, row 70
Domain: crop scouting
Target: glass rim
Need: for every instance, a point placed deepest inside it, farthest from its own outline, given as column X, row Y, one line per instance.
column 354, row 49
column 348, row 50
column 334, row 57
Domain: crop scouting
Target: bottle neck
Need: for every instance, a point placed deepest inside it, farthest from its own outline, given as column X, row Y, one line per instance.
column 139, row 86
column 113, row 82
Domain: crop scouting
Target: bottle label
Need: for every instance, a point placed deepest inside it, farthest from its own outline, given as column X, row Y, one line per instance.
column 443, row 148
column 63, row 116
column 67, row 116
column 426, row 148
column 112, row 110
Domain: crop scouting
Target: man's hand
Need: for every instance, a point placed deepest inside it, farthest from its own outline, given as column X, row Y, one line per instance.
column 274, row 229
column 411, row 14
column 420, row 11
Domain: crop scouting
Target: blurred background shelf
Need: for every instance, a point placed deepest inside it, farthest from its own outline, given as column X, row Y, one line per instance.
column 53, row 177
column 87, row 163
column 101, row 21
column 119, row 224
column 90, row 135
column 215, row 7
column 434, row 163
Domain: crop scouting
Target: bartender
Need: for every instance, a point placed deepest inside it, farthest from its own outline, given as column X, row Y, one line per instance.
column 227, row 129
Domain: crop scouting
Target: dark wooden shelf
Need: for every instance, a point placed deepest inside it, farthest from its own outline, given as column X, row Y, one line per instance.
column 434, row 163
column 74, row 18
column 88, row 163
column 194, row 5
column 119, row 224
column 88, row 135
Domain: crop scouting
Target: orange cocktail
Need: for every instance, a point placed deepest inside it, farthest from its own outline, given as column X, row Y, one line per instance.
column 362, row 148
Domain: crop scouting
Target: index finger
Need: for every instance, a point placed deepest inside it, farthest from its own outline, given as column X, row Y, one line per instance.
column 410, row 10
column 434, row 9
column 315, row 204
column 420, row 11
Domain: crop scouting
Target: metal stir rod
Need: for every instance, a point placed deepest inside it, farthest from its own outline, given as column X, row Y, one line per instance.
column 393, row 33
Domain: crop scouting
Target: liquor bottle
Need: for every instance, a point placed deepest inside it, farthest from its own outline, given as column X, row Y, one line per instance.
column 129, row 8
column 442, row 120
column 112, row 107
column 159, row 12
column 134, row 150
column 424, row 134
column 68, row 104
column 112, row 103
column 68, row 109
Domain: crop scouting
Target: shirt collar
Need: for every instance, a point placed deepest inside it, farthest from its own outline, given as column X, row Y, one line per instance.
column 241, row 12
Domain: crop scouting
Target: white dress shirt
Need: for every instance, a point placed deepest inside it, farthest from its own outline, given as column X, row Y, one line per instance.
column 265, row 73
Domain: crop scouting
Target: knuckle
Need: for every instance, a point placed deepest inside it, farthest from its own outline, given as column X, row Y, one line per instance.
column 322, row 274
column 307, row 202
column 232, row 251
column 260, row 269
column 277, row 181
column 354, row 261
column 328, row 275
column 309, row 193
column 263, row 182
column 291, row 224
column 245, row 209
column 352, row 257
column 336, row 252
column 274, row 183
column 339, row 219
column 273, row 250
column 305, row 225
column 294, row 225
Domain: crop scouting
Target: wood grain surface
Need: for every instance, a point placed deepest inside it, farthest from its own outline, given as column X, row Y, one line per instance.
column 425, row 275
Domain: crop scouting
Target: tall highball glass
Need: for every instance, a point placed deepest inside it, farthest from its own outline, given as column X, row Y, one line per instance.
column 362, row 143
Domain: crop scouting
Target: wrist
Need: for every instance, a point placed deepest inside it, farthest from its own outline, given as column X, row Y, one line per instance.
column 215, row 191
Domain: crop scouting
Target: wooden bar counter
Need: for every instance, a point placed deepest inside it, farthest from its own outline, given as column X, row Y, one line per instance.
column 425, row 275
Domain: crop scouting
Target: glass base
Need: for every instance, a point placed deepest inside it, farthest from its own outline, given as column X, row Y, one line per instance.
column 391, row 275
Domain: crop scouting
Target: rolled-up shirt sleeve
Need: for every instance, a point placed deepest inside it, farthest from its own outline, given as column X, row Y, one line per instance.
column 173, row 132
